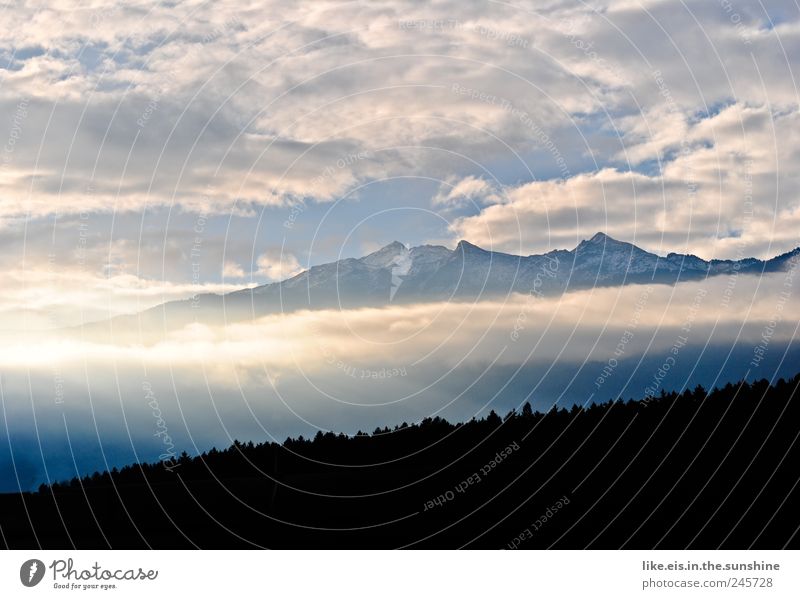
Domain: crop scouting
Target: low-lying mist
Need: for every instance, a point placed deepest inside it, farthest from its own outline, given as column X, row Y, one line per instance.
column 82, row 401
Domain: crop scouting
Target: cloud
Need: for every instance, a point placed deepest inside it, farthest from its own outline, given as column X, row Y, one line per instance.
column 231, row 270
column 720, row 192
column 276, row 265
column 160, row 97
column 469, row 190
column 47, row 298
column 578, row 326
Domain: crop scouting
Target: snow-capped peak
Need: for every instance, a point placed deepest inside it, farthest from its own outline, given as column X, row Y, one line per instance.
column 386, row 256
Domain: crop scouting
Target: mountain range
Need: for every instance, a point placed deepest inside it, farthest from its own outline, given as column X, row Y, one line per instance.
column 396, row 274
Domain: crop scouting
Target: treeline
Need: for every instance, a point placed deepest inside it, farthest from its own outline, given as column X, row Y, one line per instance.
column 692, row 469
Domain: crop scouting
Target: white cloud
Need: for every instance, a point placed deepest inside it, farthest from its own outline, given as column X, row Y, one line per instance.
column 725, row 190
column 577, row 326
column 276, row 265
column 231, row 270
column 227, row 108
column 54, row 297
column 469, row 190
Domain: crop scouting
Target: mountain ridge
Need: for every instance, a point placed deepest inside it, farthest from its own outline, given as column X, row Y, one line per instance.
column 397, row 274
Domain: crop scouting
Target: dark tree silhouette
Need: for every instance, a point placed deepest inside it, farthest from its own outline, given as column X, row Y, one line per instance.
column 691, row 469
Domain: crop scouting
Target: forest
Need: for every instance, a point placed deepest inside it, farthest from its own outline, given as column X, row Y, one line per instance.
column 697, row 469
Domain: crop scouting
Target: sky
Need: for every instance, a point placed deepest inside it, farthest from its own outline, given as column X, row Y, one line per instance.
column 152, row 151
